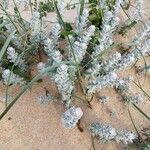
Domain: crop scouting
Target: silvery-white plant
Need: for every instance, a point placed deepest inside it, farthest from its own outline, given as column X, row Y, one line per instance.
column 81, row 22
column 79, row 45
column 110, row 63
column 22, row 3
column 103, row 132
column 38, row 33
column 136, row 14
column 50, row 45
column 101, row 82
column 104, row 99
column 3, row 98
column 45, row 99
column 125, row 136
column 135, row 99
column 5, row 3
column 122, row 85
column 107, row 133
column 64, row 84
column 144, row 70
column 128, row 59
column 41, row 66
column 15, row 58
column 109, row 24
column 9, row 78
column 54, row 55
column 142, row 36
column 71, row 117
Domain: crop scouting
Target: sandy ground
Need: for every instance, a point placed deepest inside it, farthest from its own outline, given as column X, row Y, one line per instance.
column 32, row 126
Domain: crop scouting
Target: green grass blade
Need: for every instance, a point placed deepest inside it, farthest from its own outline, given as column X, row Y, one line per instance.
column 28, row 86
column 134, row 124
column 3, row 24
column 2, row 52
column 82, row 2
column 145, row 115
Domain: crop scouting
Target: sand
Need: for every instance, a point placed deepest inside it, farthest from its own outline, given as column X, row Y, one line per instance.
column 32, row 126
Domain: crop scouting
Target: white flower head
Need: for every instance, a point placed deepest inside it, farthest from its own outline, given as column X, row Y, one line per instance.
column 71, row 117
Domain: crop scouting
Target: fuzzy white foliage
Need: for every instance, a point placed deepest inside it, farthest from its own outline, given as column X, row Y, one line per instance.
column 45, row 99
column 81, row 21
column 142, row 36
column 12, row 55
column 144, row 70
column 5, row 3
column 61, row 7
column 71, row 117
column 17, row 41
column 81, row 44
column 9, row 78
column 106, row 133
column 55, row 32
column 110, row 63
column 64, row 84
column 104, row 99
column 103, row 4
column 109, row 24
column 101, row 82
column 50, row 45
column 15, row 58
column 41, row 66
column 52, row 52
column 123, row 84
column 128, row 59
column 135, row 99
column 23, row 3
column 35, row 23
column 136, row 14
column 125, row 136
column 38, row 33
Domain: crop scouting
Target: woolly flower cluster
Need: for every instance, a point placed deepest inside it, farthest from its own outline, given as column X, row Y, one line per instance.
column 64, row 84
column 54, row 55
column 80, row 43
column 12, row 55
column 36, row 24
column 145, row 69
column 50, row 45
column 61, row 77
column 109, row 24
column 122, row 85
column 15, row 58
column 23, row 3
column 111, row 62
column 128, row 59
column 5, row 3
column 142, row 36
column 106, row 133
column 71, row 117
column 135, row 99
column 104, row 99
column 45, row 99
column 41, row 66
column 9, row 78
column 101, row 82
column 81, row 21
column 136, row 14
